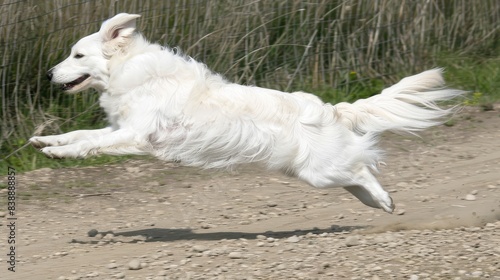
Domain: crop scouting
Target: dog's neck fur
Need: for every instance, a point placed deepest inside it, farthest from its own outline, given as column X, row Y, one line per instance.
column 136, row 44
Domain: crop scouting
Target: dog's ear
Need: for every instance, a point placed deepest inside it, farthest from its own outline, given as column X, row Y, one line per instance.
column 118, row 27
column 116, row 33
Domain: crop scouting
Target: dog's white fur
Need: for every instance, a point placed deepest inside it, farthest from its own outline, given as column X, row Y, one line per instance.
column 163, row 103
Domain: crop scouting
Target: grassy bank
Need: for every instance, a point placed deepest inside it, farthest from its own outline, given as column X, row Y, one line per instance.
column 340, row 50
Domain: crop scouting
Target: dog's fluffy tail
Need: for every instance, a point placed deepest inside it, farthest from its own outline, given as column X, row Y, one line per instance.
column 407, row 106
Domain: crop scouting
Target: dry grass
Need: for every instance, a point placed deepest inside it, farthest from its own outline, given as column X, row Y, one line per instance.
column 284, row 44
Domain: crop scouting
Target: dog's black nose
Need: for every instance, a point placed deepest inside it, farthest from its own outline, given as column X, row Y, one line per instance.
column 50, row 75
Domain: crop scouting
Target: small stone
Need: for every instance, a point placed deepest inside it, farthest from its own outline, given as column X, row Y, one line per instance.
column 119, row 275
column 272, row 204
column 134, row 265
column 470, row 197
column 2, row 214
column 293, row 239
column 235, row 255
column 112, row 265
column 476, row 274
column 92, row 232
column 352, row 241
column 401, row 212
column 261, row 237
column 99, row 236
column 199, row 248
column 474, row 192
column 414, row 277
column 281, row 267
column 92, row 274
column 109, row 236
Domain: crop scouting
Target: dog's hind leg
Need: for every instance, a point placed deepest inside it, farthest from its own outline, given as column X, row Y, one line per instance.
column 368, row 190
column 358, row 180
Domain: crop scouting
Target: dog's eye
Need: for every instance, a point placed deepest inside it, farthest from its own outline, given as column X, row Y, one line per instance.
column 78, row 55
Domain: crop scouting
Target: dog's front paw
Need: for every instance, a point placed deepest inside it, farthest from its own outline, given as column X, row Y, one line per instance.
column 45, row 141
column 37, row 142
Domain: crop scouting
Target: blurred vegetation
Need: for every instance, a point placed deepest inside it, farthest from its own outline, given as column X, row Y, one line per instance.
column 339, row 50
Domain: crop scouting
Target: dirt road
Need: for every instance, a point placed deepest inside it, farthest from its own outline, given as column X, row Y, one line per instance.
column 146, row 219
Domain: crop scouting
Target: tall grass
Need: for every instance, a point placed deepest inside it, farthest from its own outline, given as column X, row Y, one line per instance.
column 342, row 50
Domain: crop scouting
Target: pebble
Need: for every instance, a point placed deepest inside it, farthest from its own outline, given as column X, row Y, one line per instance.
column 352, row 241
column 92, row 233
column 2, row 214
column 134, row 264
column 261, row 237
column 109, row 236
column 235, row 255
column 92, row 274
column 476, row 274
column 199, row 248
column 119, row 275
column 112, row 265
column 470, row 197
column 293, row 239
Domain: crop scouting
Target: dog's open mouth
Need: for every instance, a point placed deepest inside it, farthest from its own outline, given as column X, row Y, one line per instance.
column 75, row 83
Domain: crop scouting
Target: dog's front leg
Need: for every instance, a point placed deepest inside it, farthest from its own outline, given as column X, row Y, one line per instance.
column 68, row 138
column 118, row 142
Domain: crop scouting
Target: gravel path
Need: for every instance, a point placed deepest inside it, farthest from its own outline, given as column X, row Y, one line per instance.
column 146, row 219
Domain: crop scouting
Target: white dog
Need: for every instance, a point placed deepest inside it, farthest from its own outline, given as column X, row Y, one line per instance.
column 166, row 104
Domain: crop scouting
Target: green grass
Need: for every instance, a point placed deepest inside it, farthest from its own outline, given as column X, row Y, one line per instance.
column 339, row 50
column 477, row 74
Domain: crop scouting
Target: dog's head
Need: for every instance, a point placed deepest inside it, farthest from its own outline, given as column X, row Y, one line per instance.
column 87, row 65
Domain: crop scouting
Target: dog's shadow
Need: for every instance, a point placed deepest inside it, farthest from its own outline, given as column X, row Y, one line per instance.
column 172, row 235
